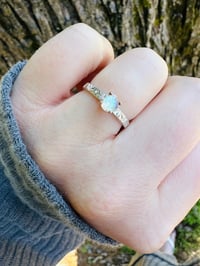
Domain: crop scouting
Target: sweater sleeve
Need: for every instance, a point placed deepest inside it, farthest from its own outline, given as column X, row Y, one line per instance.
column 37, row 226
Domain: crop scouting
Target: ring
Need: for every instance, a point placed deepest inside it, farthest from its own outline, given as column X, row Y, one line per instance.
column 109, row 103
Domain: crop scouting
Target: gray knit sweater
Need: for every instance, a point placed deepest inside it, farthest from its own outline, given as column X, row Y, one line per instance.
column 37, row 226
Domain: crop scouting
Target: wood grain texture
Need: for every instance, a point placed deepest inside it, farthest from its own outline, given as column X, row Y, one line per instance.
column 172, row 28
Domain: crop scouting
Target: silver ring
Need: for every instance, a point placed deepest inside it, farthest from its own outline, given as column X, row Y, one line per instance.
column 109, row 103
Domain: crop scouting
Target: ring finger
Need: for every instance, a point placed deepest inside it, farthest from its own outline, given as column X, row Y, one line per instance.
column 135, row 77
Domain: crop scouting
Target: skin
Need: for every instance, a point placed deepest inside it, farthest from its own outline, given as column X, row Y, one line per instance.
column 134, row 185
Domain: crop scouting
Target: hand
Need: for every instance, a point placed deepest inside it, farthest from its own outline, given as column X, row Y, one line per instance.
column 133, row 185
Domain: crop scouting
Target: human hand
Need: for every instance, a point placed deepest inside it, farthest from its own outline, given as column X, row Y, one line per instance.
column 135, row 185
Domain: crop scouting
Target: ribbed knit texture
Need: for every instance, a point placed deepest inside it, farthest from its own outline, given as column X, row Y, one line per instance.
column 161, row 259
column 37, row 226
column 26, row 237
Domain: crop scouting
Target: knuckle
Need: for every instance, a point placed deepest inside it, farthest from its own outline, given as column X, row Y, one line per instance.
column 193, row 90
column 85, row 31
column 146, row 53
column 92, row 38
column 80, row 26
column 149, row 57
column 187, row 92
column 189, row 89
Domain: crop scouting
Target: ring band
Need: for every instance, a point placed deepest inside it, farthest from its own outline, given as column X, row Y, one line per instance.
column 109, row 103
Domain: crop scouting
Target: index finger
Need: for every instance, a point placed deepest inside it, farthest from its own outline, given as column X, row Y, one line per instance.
column 62, row 62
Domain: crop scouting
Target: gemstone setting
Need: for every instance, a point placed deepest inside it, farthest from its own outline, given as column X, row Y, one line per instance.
column 109, row 103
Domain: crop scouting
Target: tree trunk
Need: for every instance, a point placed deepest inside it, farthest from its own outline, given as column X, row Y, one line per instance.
column 171, row 27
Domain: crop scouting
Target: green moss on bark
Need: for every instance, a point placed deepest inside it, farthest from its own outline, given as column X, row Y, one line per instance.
column 188, row 234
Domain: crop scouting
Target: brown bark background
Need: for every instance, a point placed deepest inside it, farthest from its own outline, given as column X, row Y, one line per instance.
column 171, row 27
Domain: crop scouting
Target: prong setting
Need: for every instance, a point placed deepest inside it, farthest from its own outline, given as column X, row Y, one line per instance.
column 108, row 102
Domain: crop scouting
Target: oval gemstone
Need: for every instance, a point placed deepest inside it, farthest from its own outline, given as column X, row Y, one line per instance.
column 109, row 103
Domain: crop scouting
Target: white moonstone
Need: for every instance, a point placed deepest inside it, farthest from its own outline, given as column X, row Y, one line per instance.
column 109, row 103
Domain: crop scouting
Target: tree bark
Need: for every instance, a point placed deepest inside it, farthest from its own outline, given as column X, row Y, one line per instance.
column 171, row 27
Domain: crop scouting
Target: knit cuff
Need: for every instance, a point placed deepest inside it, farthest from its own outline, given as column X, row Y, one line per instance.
column 27, row 180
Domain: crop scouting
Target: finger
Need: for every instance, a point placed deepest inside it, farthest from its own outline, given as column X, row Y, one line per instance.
column 182, row 187
column 135, row 77
column 165, row 132
column 62, row 62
